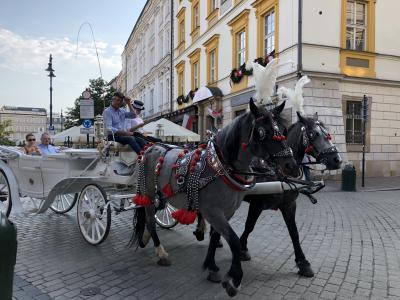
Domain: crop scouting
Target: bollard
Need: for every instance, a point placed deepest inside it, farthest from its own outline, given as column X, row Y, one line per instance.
column 349, row 178
column 8, row 255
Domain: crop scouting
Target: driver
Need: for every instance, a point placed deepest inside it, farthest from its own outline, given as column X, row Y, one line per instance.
column 114, row 118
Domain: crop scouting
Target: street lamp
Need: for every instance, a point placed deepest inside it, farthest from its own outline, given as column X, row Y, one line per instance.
column 51, row 75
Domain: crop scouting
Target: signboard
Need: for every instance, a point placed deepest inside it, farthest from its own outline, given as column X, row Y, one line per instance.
column 87, row 123
column 51, row 127
column 87, row 109
column 87, row 130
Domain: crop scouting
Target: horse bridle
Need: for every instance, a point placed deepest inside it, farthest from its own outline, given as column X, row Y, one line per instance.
column 310, row 149
column 286, row 152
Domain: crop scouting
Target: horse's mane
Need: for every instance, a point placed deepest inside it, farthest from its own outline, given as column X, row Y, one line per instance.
column 229, row 138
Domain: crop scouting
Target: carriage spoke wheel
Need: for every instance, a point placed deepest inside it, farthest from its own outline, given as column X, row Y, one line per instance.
column 5, row 195
column 64, row 203
column 164, row 217
column 94, row 217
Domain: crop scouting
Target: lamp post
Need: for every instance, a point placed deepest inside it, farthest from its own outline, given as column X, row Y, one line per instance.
column 51, row 75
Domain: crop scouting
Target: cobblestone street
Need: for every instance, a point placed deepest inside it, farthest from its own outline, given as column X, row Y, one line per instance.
column 351, row 239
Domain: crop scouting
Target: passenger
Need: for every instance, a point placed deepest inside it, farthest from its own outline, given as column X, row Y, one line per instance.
column 45, row 147
column 30, row 147
column 114, row 118
column 135, row 125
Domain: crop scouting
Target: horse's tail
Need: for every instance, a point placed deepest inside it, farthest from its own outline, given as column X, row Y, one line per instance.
column 139, row 224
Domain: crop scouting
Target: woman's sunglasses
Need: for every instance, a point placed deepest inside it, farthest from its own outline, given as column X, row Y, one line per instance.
column 31, row 140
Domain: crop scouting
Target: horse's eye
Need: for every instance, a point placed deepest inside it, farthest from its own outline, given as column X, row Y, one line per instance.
column 261, row 133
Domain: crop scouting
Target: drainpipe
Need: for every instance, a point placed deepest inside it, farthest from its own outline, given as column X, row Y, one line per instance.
column 171, row 79
column 299, row 40
column 126, row 74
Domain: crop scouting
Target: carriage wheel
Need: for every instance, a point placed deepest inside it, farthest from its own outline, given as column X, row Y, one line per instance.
column 64, row 203
column 5, row 194
column 94, row 217
column 164, row 217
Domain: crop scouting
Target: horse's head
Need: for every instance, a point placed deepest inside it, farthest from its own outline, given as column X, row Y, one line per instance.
column 316, row 141
column 268, row 138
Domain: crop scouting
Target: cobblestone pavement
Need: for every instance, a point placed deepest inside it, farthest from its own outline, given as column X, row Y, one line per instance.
column 351, row 239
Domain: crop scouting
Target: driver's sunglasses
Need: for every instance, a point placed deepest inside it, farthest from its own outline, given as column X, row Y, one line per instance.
column 31, row 140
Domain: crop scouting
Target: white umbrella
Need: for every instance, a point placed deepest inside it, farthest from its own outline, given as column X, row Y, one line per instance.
column 206, row 92
column 179, row 133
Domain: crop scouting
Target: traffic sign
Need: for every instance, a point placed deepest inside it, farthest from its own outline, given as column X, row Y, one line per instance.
column 86, row 94
column 86, row 108
column 87, row 123
column 51, row 127
column 87, row 130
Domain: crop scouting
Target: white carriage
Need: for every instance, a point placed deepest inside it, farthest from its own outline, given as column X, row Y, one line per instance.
column 99, row 181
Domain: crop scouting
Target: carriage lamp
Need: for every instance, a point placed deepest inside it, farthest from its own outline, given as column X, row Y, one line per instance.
column 51, row 75
column 99, row 127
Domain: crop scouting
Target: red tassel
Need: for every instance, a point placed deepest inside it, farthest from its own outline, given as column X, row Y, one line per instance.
column 184, row 216
column 161, row 159
column 329, row 137
column 191, row 169
column 141, row 200
column 284, row 138
column 167, row 191
column 185, row 151
column 181, row 154
column 244, row 146
column 174, row 166
column 275, row 138
column 203, row 146
column 309, row 149
column 197, row 151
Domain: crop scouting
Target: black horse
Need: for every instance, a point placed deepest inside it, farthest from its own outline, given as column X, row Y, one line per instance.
column 306, row 136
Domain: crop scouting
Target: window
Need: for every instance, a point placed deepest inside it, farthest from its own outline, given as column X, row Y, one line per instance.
column 212, row 12
column 213, row 66
column 161, row 45
column 151, row 101
column 161, row 95
column 167, row 46
column 195, row 75
column 166, row 103
column 180, row 70
column 269, row 32
column 211, row 46
column 181, row 29
column 214, row 4
column 356, row 26
column 240, row 112
column 195, row 19
column 353, row 122
column 241, row 48
column 195, row 63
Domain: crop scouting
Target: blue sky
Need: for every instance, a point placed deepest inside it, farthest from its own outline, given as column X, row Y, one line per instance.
column 32, row 29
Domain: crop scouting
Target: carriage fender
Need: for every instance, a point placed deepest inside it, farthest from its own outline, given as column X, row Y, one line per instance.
column 14, row 188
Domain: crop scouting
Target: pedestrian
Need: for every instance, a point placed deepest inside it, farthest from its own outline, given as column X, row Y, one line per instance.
column 306, row 168
column 31, row 148
column 114, row 119
column 45, row 147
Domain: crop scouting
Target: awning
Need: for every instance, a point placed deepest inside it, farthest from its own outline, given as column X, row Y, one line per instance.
column 170, row 129
column 206, row 92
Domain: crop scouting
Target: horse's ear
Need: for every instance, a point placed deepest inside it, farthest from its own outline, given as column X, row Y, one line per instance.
column 277, row 110
column 253, row 108
column 301, row 118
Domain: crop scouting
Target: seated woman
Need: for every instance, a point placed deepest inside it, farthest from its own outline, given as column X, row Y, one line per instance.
column 30, row 148
column 135, row 125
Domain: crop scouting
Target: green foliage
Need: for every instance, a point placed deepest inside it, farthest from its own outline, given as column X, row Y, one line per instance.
column 5, row 133
column 100, row 92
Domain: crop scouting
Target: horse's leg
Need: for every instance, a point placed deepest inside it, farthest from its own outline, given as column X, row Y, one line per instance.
column 231, row 281
column 200, row 228
column 209, row 262
column 151, row 227
column 289, row 215
column 253, row 214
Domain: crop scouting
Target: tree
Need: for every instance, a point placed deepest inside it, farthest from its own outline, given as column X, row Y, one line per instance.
column 5, row 133
column 101, row 93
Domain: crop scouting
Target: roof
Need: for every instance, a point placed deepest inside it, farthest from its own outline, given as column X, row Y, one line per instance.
column 24, row 109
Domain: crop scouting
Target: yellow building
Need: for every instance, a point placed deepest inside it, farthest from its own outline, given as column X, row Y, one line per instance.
column 347, row 47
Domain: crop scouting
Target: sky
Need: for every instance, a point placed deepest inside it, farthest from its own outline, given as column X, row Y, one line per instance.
column 32, row 29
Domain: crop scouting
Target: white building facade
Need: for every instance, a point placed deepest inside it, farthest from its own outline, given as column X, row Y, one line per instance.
column 348, row 49
column 146, row 59
column 24, row 120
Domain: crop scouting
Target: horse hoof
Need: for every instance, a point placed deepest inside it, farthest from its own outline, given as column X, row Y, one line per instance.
column 214, row 276
column 305, row 268
column 199, row 235
column 245, row 255
column 219, row 244
column 230, row 288
column 164, row 262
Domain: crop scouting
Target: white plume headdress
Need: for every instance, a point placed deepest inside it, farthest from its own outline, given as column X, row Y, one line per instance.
column 265, row 79
column 296, row 95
